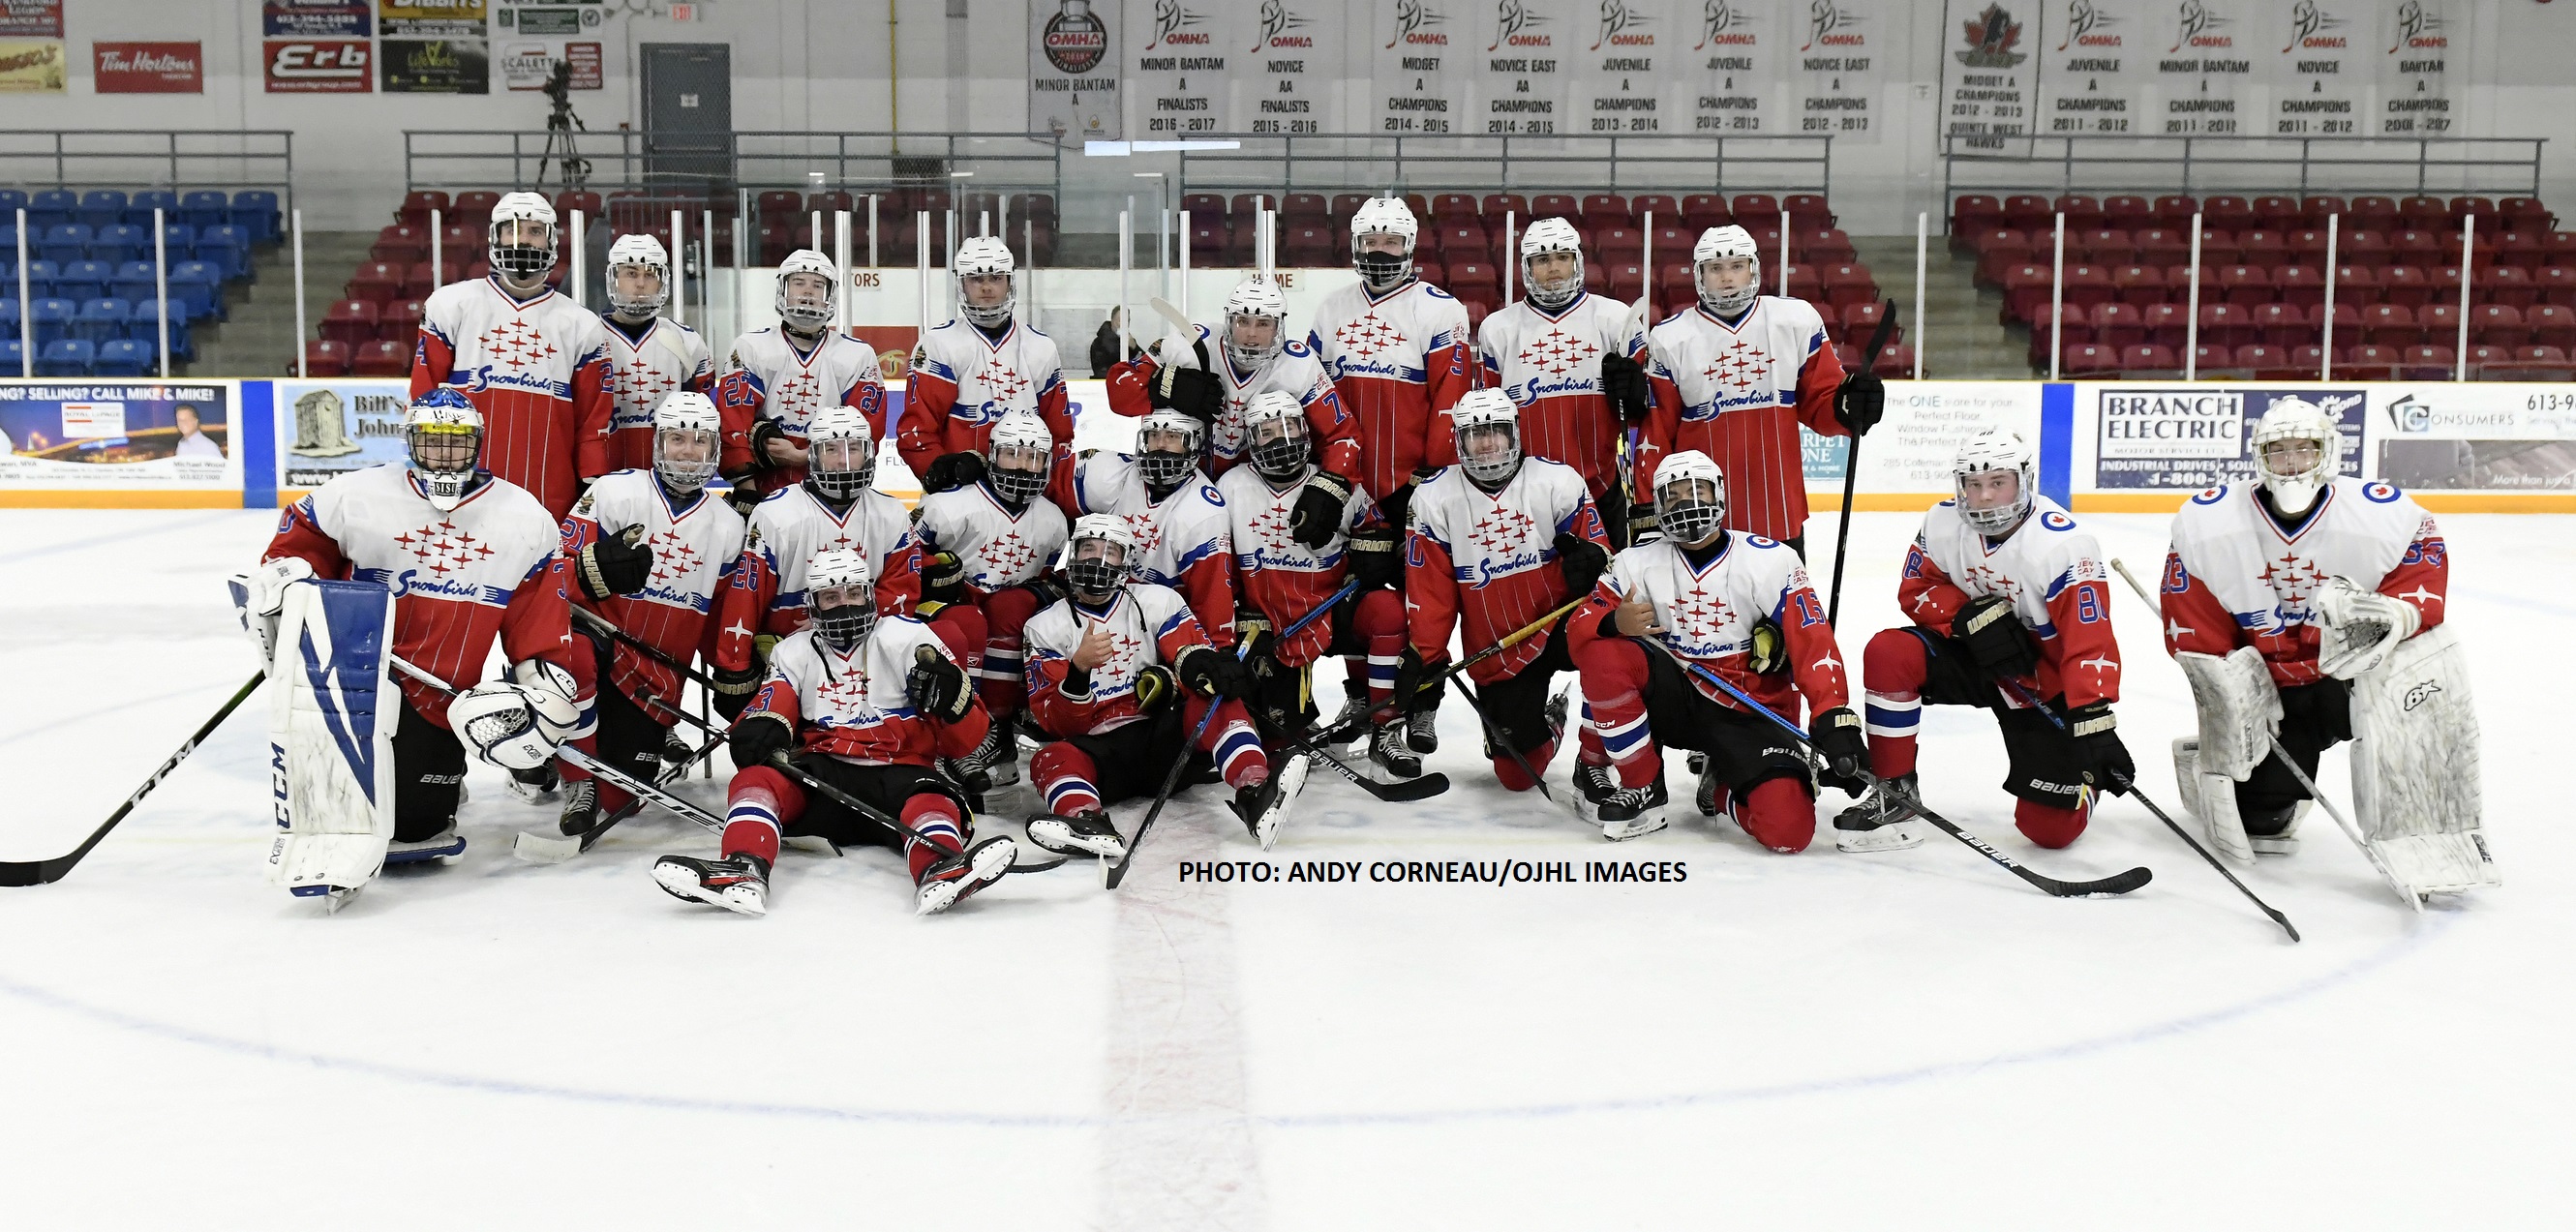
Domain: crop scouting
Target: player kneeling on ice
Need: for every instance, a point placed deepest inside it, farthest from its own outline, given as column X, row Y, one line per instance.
column 435, row 559
column 873, row 701
column 2307, row 610
column 1116, row 668
column 2011, row 608
column 1705, row 601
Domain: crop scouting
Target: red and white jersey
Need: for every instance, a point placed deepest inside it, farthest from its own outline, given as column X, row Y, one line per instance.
column 537, row 369
column 1549, row 364
column 1399, row 363
column 1491, row 561
column 964, row 380
column 855, row 706
column 2235, row 578
column 767, row 377
column 1294, row 370
column 668, row 358
column 2050, row 570
column 1738, row 393
column 461, row 578
column 1184, row 541
column 996, row 547
column 1282, row 578
column 1707, row 613
column 1149, row 625
column 694, row 543
column 764, row 593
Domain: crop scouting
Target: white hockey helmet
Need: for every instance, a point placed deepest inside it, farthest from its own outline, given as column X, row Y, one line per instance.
column 1164, row 469
column 1383, row 271
column 1991, row 450
column 1274, row 430
column 1726, row 244
column 843, row 472
column 1098, row 555
column 1019, row 456
column 1255, row 299
column 443, row 433
column 686, row 418
column 796, row 306
column 519, row 259
column 986, row 255
column 1480, row 419
column 2295, row 476
column 848, row 621
column 644, row 250
column 1690, row 497
column 1546, row 236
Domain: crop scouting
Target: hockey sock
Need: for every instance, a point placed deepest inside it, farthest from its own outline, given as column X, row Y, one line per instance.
column 1587, row 741
column 964, row 631
column 1614, row 681
column 1236, row 747
column 1893, row 669
column 1779, row 814
column 935, row 817
column 1006, row 613
column 1064, row 775
column 1381, row 621
column 2048, row 825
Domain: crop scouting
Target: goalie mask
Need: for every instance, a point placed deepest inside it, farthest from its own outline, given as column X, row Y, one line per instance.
column 1019, row 457
column 808, row 290
column 840, row 453
column 1096, row 556
column 1488, row 429
column 521, row 237
column 1256, row 324
column 644, row 255
column 1690, row 497
column 1552, row 263
column 686, row 436
column 444, row 436
column 840, row 597
column 1275, row 428
column 2296, row 453
column 985, row 291
column 1168, row 448
column 1383, row 266
column 1726, row 268
column 1989, row 453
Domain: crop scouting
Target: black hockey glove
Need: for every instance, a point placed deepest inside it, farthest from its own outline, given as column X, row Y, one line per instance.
column 1375, row 563
column 754, row 739
column 615, row 565
column 2097, row 742
column 1214, row 673
column 1253, row 642
column 1860, row 402
column 950, row 471
column 744, row 495
column 1581, row 561
column 937, row 686
column 735, row 689
column 1770, row 653
column 763, row 431
column 1837, row 734
column 943, row 578
column 1419, row 682
column 1154, row 689
column 1321, row 506
column 1194, row 392
column 1996, row 638
column 1623, row 382
column 1642, row 527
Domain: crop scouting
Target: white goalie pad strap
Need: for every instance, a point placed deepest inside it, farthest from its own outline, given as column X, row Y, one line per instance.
column 2357, row 628
column 2239, row 710
column 2415, row 766
column 332, row 711
column 2211, row 798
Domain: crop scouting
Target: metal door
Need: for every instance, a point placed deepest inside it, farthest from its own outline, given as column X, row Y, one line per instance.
column 688, row 113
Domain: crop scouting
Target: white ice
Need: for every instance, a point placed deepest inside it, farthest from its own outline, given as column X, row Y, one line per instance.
column 1912, row 1039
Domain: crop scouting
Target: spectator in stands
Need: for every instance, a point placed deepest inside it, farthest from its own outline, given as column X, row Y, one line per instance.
column 193, row 441
column 1104, row 345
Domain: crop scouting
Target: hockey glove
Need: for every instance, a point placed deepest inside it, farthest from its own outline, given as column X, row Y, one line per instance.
column 617, row 564
column 1375, row 563
column 735, row 688
column 950, row 471
column 937, row 686
column 1996, row 638
column 943, row 578
column 1623, row 382
column 1194, row 392
column 1254, row 642
column 1419, row 682
column 1837, row 734
column 1581, row 561
column 2097, row 743
column 753, row 740
column 1154, row 688
column 1770, row 653
column 1860, row 402
column 1321, row 507
column 744, row 496
column 763, row 431
column 1214, row 673
column 1642, row 527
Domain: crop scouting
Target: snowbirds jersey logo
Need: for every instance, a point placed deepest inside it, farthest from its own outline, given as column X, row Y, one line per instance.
column 843, row 699
column 1512, row 23
column 1700, row 618
column 1413, row 20
column 1367, row 336
column 1004, row 384
column 1275, row 21
column 1617, row 22
column 1723, row 24
column 1740, row 369
column 1987, row 580
column 517, row 343
column 1991, row 36
column 441, row 548
column 673, row 558
column 1501, row 532
column 1558, row 353
column 639, row 389
column 1006, row 557
column 2294, row 580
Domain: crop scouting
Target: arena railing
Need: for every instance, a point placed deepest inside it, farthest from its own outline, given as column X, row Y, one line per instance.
column 1461, row 161
column 622, row 159
column 2246, row 164
column 153, row 158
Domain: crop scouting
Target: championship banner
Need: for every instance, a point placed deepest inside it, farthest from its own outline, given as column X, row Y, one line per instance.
column 1293, row 51
column 2322, row 71
column 1990, row 76
column 2181, row 438
column 2475, row 437
column 1840, row 65
column 1733, row 77
column 2094, row 69
column 1420, row 64
column 1526, row 69
column 1073, row 67
column 1631, row 77
column 1177, row 79
column 328, row 428
column 2205, row 77
column 151, row 435
column 2413, row 48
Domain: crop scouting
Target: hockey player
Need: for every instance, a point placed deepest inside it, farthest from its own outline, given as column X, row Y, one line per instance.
column 1695, row 601
column 2320, row 575
column 533, row 362
column 1003, row 534
column 1569, row 360
column 1120, row 673
column 1498, row 541
column 1734, row 376
column 649, row 355
column 777, row 377
column 870, row 700
column 1283, row 578
column 1184, row 539
column 2011, row 609
column 470, row 558
column 647, row 550
column 974, row 369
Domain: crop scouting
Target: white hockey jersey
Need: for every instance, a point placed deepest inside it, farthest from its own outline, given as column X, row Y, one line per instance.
column 765, row 592
column 1147, row 623
column 693, row 543
column 537, row 369
column 2050, row 570
column 1549, row 365
column 764, row 374
column 997, row 548
column 2234, row 577
column 1278, row 576
column 1294, row 371
column 962, row 381
column 669, row 358
column 855, row 706
column 1184, row 541
column 1708, row 613
column 1490, row 560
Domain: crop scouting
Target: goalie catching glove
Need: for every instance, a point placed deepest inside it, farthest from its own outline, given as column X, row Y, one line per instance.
column 617, row 564
column 2360, row 627
column 517, row 724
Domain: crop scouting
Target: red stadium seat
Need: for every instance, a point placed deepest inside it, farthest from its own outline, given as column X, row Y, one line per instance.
column 2023, row 212
column 1823, row 245
column 1700, row 211
column 2424, row 248
column 2390, row 325
column 1620, row 279
column 2211, row 359
column 2229, row 214
column 2552, row 325
column 2117, row 324
column 2148, row 358
column 2026, row 293
column 2423, row 212
column 2174, row 212
column 2498, row 325
column 2557, row 285
column 2370, row 362
column 381, row 358
column 1310, row 209
column 2347, row 324
column 2365, row 247
column 2440, row 322
column 417, row 205
column 1807, row 211
column 474, row 211
column 2405, row 284
column 2127, row 213
column 2525, row 250
column 2139, row 285
column 2494, row 363
column 2088, row 285
column 1451, row 208
column 400, row 322
column 2162, row 246
column 2217, row 248
column 2265, row 362
column 2104, row 246
column 2278, row 213
column 2245, row 285
column 1666, row 210
column 1605, row 210
column 1968, row 213
column 2282, row 325
column 2300, row 285
column 2481, row 208
column 2370, row 214
column 1850, row 283
column 1750, row 208
column 1676, row 288
column 1496, row 205
column 2428, row 362
column 2307, row 361
column 2262, row 249
column 1619, row 243
column 1557, row 205
column 2167, row 324
column 1859, row 321
column 2082, row 213
column 376, row 282
column 2357, row 285
column 2314, row 210
column 1896, row 363
column 2306, row 245
column 1308, row 247
column 2526, row 214
column 2090, row 359
column 400, row 244
column 2544, row 363
column 2227, row 325
column 323, row 357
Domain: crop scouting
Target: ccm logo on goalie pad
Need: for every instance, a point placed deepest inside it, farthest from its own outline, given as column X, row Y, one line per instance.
column 2420, row 694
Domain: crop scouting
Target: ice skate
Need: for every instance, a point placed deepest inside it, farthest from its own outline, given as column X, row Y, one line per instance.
column 1877, row 822
column 735, row 883
column 956, row 878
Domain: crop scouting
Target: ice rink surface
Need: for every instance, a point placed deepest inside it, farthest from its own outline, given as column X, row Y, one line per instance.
column 1908, row 1040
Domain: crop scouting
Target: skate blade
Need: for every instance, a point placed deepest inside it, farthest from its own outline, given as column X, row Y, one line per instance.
column 745, row 898
column 1292, row 779
column 989, row 864
column 1622, row 831
column 1894, row 837
column 1054, row 839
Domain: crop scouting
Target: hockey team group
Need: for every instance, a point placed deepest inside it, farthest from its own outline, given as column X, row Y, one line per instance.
column 1571, row 490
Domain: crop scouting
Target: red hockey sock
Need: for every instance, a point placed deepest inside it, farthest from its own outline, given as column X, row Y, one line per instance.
column 1380, row 623
column 1892, row 673
column 1065, row 777
column 1509, row 771
column 1614, row 679
column 998, row 679
column 2047, row 825
column 746, row 837
column 935, row 817
column 1779, row 814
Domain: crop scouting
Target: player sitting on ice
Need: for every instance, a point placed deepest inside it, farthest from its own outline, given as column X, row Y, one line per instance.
column 1283, row 577
column 647, row 550
column 1703, row 599
column 871, row 701
column 1183, row 538
column 1120, row 673
column 468, row 559
column 1498, row 541
column 2311, row 605
column 1569, row 360
column 779, row 377
column 1001, row 534
column 649, row 356
column 969, row 372
column 2010, row 609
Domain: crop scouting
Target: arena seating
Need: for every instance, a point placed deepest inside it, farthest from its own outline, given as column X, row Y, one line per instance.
column 91, row 269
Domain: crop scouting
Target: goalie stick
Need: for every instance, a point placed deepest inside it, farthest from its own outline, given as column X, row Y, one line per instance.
column 42, row 872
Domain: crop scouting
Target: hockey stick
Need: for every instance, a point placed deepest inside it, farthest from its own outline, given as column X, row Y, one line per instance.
column 783, row 762
column 1851, row 472
column 574, row 757
column 540, row 847
column 1402, row 791
column 1494, row 732
column 1171, row 778
column 1164, row 308
column 584, row 616
column 1381, row 714
column 2105, row 887
column 1637, row 318
column 41, row 872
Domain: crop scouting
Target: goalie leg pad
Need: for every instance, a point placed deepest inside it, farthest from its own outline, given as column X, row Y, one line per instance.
column 331, row 720
column 2415, row 767
column 2239, row 710
column 2212, row 799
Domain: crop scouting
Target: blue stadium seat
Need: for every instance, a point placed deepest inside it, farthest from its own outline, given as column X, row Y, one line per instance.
column 52, row 207
column 120, row 242
column 255, row 209
column 40, row 278
column 139, row 210
column 102, row 319
column 226, row 247
column 204, row 208
column 13, row 357
column 9, row 237
column 135, row 280
column 101, row 207
column 81, row 280
column 65, row 241
column 125, row 357
column 11, row 201
column 53, row 320
column 145, row 323
column 180, row 238
column 67, row 357
column 200, row 286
